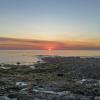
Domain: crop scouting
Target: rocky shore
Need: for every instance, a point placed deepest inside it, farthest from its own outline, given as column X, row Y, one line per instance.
column 52, row 78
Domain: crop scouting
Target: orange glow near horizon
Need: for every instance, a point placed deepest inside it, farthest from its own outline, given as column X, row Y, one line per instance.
column 12, row 43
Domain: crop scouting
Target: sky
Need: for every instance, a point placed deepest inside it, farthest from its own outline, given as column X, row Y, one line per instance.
column 50, row 24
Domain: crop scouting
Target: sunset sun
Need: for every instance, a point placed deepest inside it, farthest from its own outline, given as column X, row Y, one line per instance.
column 49, row 49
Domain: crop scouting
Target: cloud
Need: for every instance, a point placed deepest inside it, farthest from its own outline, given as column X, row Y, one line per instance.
column 14, row 43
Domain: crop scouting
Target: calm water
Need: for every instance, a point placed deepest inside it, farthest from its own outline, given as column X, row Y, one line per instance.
column 29, row 56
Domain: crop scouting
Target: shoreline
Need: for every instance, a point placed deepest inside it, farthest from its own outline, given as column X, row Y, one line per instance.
column 40, row 57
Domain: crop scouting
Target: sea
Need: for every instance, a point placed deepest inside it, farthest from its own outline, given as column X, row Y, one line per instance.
column 30, row 56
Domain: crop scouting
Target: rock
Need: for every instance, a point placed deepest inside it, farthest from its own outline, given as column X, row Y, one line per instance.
column 32, row 67
column 21, row 84
column 97, row 98
column 6, row 98
column 3, row 67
